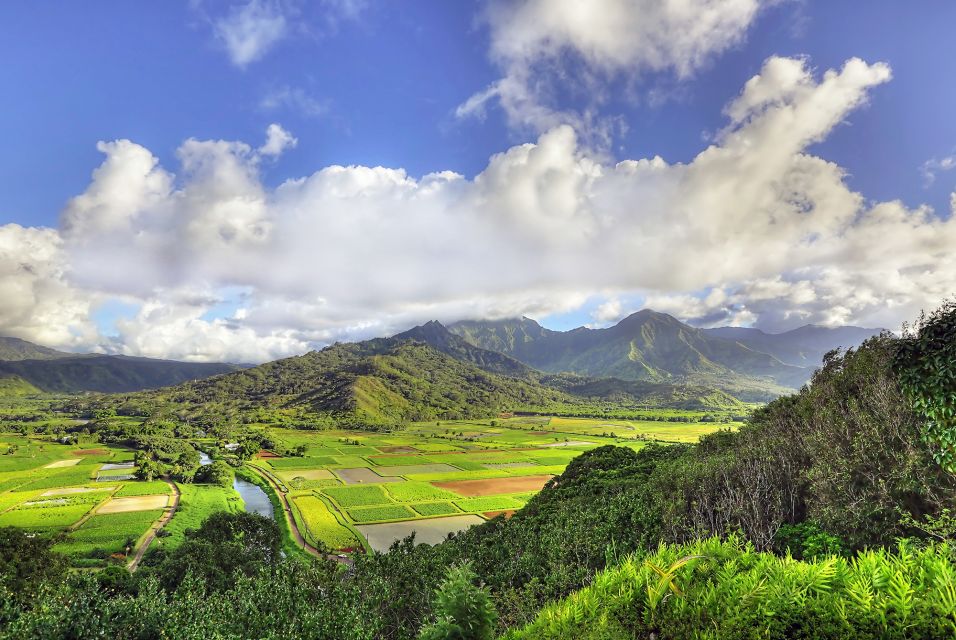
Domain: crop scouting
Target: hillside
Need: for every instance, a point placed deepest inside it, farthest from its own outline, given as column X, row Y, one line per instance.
column 629, row 393
column 17, row 349
column 16, row 386
column 646, row 346
column 108, row 374
column 802, row 347
column 44, row 369
column 377, row 382
column 426, row 373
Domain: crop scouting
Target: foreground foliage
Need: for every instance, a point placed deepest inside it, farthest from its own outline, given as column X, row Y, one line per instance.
column 713, row 589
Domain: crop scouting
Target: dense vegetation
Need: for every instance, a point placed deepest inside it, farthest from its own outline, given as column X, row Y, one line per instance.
column 787, row 528
column 424, row 374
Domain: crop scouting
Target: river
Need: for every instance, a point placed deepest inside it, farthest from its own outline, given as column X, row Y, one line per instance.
column 252, row 495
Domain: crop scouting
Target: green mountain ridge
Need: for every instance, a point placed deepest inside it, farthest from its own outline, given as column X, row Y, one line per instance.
column 60, row 372
column 17, row 349
column 425, row 373
column 656, row 347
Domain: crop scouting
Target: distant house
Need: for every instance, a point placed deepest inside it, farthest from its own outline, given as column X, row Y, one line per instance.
column 232, row 446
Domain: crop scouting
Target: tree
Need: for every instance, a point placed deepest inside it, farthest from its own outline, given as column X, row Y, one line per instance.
column 27, row 562
column 925, row 364
column 465, row 610
column 218, row 472
column 226, row 547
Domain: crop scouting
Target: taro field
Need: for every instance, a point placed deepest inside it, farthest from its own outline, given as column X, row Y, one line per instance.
column 354, row 489
column 82, row 495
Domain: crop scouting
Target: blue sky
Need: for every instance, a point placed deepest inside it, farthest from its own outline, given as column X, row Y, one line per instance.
column 382, row 84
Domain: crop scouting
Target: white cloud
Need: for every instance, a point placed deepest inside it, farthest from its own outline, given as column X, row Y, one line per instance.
column 770, row 234
column 250, row 30
column 277, row 141
column 935, row 166
column 609, row 311
column 538, row 43
column 293, row 98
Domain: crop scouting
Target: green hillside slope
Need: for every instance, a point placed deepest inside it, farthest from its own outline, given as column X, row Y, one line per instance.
column 17, row 349
column 108, row 374
column 16, row 386
column 648, row 346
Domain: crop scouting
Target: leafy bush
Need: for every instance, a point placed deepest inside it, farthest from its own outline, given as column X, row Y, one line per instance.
column 465, row 611
column 926, row 365
column 725, row 589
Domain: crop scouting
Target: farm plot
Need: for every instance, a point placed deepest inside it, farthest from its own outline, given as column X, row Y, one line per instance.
column 495, row 486
column 306, row 474
column 418, row 492
column 59, row 464
column 55, row 513
column 357, row 496
column 363, row 475
column 490, row 503
column 402, row 470
column 380, row 514
column 196, row 503
column 135, row 503
column 435, row 508
column 104, row 534
column 322, row 525
column 431, row 531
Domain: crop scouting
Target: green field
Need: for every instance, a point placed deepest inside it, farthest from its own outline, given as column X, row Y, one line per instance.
column 49, row 489
column 342, row 479
column 347, row 478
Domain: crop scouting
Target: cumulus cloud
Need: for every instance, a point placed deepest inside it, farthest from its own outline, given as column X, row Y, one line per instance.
column 277, row 141
column 249, row 30
column 540, row 43
column 753, row 229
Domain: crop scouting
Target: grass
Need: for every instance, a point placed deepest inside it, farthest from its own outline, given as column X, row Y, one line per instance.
column 102, row 535
column 322, row 526
column 435, row 508
column 198, row 502
column 43, row 517
column 142, row 489
column 380, row 514
column 357, row 496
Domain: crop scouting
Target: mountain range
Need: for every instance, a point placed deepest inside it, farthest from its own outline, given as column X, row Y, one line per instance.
column 469, row 369
column 24, row 365
column 656, row 347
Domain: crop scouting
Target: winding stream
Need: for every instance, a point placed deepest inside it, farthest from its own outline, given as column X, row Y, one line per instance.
column 254, row 498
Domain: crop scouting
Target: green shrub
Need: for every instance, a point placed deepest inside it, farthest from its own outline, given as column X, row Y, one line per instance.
column 725, row 589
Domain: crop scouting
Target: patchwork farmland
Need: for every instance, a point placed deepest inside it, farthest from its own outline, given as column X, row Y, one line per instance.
column 353, row 489
column 348, row 491
column 84, row 497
